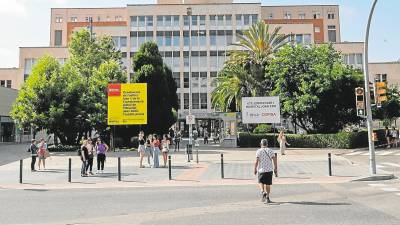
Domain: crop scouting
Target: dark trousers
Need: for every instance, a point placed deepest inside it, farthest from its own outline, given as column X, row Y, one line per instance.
column 177, row 145
column 89, row 165
column 100, row 161
column 33, row 162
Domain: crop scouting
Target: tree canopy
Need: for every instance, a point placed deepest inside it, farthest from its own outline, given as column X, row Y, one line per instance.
column 70, row 100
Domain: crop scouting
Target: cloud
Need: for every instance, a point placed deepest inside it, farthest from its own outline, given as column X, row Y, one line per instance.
column 12, row 7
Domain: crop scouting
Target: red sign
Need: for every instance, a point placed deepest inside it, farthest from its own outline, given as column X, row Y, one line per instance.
column 114, row 90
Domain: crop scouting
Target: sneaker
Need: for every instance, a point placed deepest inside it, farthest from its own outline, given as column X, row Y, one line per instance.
column 90, row 173
column 264, row 196
column 269, row 200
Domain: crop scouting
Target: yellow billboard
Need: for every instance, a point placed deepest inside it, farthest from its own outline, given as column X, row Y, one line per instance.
column 127, row 104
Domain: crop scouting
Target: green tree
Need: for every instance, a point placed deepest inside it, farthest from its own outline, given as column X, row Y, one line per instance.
column 161, row 88
column 244, row 73
column 70, row 100
column 389, row 110
column 315, row 88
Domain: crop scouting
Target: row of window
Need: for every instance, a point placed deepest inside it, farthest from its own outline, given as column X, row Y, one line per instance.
column 5, row 83
column 316, row 15
column 199, row 79
column 199, row 100
column 352, row 59
column 196, row 20
column 60, row 19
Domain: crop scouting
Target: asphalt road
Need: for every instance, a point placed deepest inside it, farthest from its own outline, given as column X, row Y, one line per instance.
column 355, row 203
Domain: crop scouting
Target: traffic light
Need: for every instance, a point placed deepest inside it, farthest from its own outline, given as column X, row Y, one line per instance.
column 360, row 106
column 381, row 93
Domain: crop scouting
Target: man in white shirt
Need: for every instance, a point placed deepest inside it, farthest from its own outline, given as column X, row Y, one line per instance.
column 265, row 165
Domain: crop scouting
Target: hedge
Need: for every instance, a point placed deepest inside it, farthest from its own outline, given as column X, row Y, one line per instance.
column 343, row 140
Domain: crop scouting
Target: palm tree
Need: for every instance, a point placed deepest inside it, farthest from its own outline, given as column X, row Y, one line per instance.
column 243, row 74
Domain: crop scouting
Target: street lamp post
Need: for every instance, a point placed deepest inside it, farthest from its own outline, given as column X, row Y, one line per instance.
column 372, row 161
column 189, row 14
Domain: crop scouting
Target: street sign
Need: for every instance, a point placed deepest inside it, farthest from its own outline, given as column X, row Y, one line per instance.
column 361, row 112
column 190, row 119
column 261, row 110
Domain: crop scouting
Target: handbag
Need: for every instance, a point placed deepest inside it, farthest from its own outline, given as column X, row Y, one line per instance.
column 46, row 154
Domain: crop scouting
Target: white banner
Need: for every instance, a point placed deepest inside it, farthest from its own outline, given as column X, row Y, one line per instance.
column 261, row 110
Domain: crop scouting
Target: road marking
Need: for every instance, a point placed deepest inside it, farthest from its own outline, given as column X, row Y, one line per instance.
column 366, row 153
column 391, row 164
column 377, row 185
column 398, row 194
column 398, row 154
column 384, row 153
column 354, row 153
column 380, row 166
column 390, row 189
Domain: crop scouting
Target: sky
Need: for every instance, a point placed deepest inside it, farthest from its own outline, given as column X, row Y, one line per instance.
column 25, row 23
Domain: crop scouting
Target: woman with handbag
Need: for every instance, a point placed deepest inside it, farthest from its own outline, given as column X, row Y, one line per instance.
column 282, row 142
column 42, row 153
column 165, row 149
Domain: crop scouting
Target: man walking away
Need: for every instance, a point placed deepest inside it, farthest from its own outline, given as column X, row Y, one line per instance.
column 33, row 149
column 265, row 163
column 177, row 140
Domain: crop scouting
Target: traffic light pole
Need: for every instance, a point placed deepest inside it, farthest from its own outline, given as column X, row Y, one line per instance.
column 372, row 161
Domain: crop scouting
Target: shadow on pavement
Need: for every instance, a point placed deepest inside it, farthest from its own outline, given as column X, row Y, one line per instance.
column 37, row 190
column 311, row 203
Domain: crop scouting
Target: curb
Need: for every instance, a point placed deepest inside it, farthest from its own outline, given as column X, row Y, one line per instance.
column 376, row 177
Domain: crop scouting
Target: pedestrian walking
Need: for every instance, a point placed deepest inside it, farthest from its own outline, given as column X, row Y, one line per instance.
column 156, row 151
column 195, row 134
column 165, row 149
column 33, row 149
column 84, row 158
column 177, row 140
column 206, row 136
column 394, row 136
column 42, row 146
column 91, row 152
column 101, row 149
column 141, row 148
column 282, row 142
column 171, row 134
column 387, row 136
column 265, row 165
column 149, row 149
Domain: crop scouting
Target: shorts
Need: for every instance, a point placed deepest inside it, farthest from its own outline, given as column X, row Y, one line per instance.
column 265, row 178
column 141, row 148
column 164, row 150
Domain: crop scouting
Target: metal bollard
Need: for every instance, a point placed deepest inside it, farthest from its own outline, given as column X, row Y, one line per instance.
column 69, row 169
column 222, row 166
column 330, row 164
column 20, row 170
column 169, row 168
column 119, row 168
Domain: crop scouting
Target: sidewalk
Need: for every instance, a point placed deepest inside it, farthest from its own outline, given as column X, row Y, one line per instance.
column 298, row 166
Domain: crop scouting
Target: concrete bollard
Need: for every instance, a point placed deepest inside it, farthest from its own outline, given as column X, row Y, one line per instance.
column 169, row 168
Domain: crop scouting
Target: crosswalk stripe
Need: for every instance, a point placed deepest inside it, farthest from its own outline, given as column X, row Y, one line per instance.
column 354, row 153
column 365, row 153
column 380, row 166
column 398, row 154
column 391, row 164
column 390, row 189
column 384, row 153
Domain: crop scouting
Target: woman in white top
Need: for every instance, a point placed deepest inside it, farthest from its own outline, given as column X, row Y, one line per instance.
column 165, row 148
column 282, row 142
column 141, row 148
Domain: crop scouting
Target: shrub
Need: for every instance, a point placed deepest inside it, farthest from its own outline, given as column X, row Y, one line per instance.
column 342, row 140
column 63, row 148
column 262, row 129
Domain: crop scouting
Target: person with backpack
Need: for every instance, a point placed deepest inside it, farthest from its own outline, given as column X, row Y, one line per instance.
column 101, row 149
column 265, row 165
column 33, row 150
column 84, row 157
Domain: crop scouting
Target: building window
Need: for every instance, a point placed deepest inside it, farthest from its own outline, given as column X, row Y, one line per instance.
column 2, row 83
column 317, row 29
column 202, row 20
column 287, row 15
column 88, row 19
column 270, row 16
column 9, row 82
column 177, row 78
column 194, row 20
column 213, row 74
column 160, row 21
column 186, row 100
column 246, row 18
column 254, row 18
column 316, row 15
column 359, row 57
column 118, row 18
column 195, row 101
column 213, row 20
column 239, row 21
column 149, row 21
column 220, row 20
column 58, row 37
column 213, row 37
column 167, row 21
column 186, row 21
column 142, row 21
column 74, row 19
column 186, row 80
column 228, row 20
column 203, row 100
column 134, row 21
column 134, row 38
column 59, row 19
column 302, row 16
column 307, row 39
column 176, row 21
column 380, row 77
column 176, row 39
column 332, row 33
column 331, row 15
